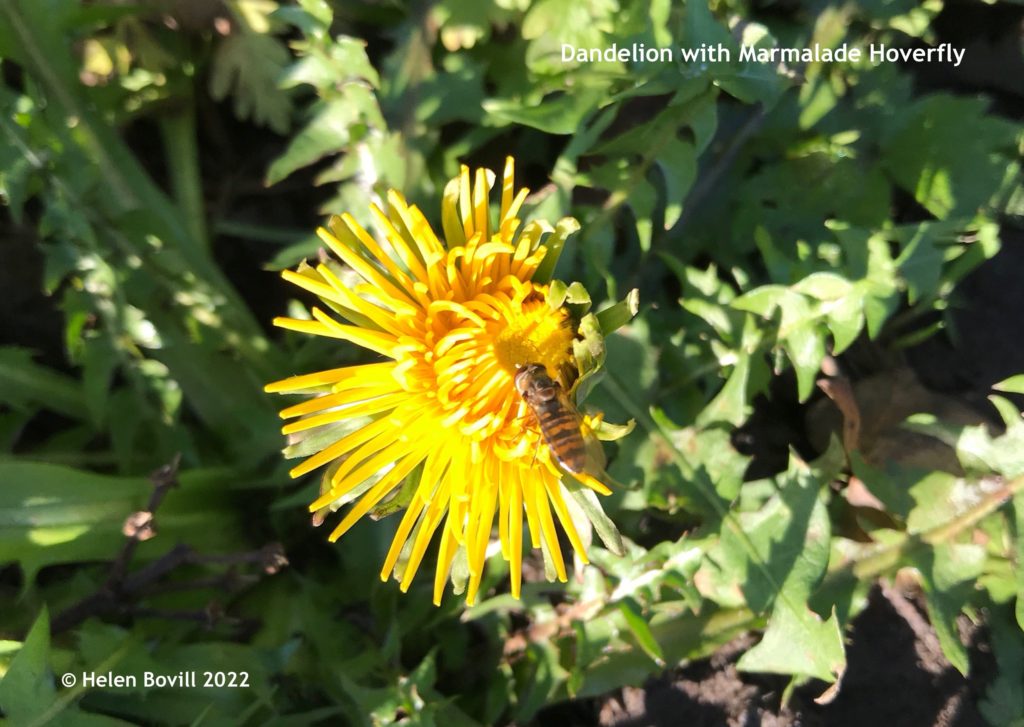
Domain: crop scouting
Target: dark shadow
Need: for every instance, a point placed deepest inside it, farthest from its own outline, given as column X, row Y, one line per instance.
column 983, row 345
column 890, row 679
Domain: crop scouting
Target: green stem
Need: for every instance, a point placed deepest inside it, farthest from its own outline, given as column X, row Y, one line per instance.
column 885, row 559
column 179, row 136
column 259, row 233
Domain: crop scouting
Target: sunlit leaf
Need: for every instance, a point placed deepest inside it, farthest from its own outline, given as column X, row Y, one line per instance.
column 248, row 66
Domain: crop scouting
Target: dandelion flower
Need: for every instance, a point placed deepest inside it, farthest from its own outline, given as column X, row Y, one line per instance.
column 439, row 417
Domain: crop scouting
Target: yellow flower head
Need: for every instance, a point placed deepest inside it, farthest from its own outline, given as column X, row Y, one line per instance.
column 453, row 322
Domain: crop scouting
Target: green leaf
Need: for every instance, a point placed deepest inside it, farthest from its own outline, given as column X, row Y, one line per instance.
column 754, row 82
column 316, row 15
column 920, row 262
column 845, row 321
column 681, row 637
column 789, row 536
column 1004, row 698
column 762, row 300
column 824, row 286
column 16, row 171
column 25, row 384
column 643, row 198
column 798, row 642
column 714, row 315
column 543, row 673
column 550, row 23
column 26, row 690
column 248, row 66
column 801, row 337
column 732, row 403
column 591, row 507
column 777, row 555
column 329, row 132
column 938, row 497
column 979, row 451
column 678, row 163
column 99, row 363
column 456, row 95
column 53, row 514
column 345, row 60
column 748, row 81
column 700, row 27
column 703, row 114
column 948, row 572
column 1012, row 385
column 630, row 611
column 805, row 347
column 945, row 151
column 561, row 113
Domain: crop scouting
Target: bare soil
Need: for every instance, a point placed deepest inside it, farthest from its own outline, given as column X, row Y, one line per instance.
column 896, row 675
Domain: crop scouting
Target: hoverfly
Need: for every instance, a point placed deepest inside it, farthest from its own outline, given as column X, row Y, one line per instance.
column 560, row 423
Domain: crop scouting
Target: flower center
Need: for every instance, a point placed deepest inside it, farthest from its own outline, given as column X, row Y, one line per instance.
column 537, row 335
column 478, row 353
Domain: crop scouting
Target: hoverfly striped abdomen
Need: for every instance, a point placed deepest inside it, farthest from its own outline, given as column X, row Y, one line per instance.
column 558, row 420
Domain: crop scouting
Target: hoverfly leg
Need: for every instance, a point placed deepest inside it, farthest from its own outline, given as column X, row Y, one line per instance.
column 536, row 450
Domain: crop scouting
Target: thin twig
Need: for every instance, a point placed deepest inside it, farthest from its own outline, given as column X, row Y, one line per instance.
column 139, row 526
column 926, row 640
column 120, row 589
column 228, row 582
